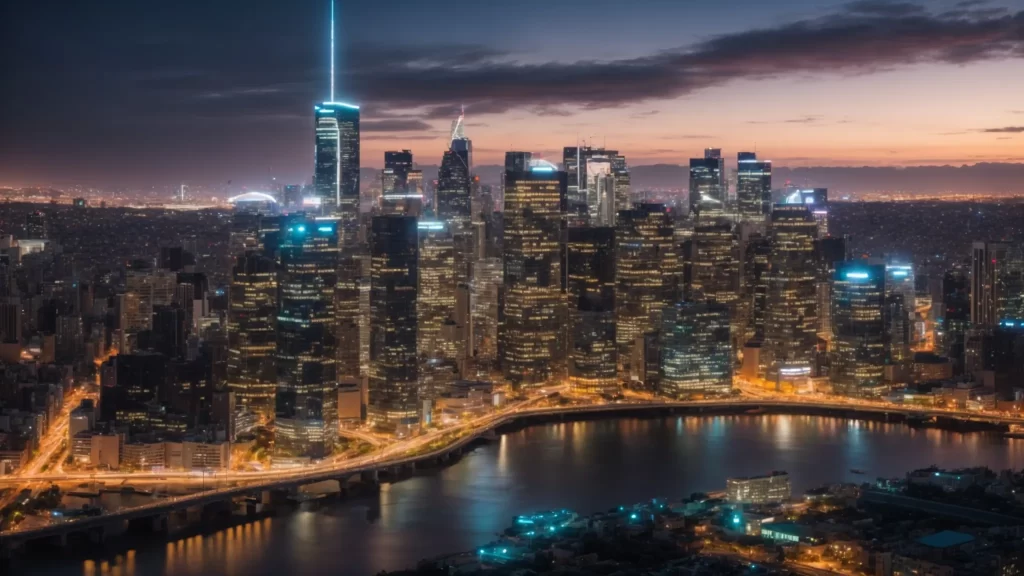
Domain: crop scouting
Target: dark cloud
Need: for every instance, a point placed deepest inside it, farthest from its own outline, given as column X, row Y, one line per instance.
column 1005, row 130
column 862, row 37
column 394, row 125
column 883, row 8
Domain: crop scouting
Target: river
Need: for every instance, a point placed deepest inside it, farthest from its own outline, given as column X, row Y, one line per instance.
column 585, row 466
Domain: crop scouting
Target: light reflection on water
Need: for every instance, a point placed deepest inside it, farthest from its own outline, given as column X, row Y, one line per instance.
column 585, row 466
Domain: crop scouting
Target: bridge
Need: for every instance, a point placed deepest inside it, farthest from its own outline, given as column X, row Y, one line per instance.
column 406, row 456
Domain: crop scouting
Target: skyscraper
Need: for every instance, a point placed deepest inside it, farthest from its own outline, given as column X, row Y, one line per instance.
column 593, row 354
column 696, row 350
column 534, row 307
column 598, row 185
column 484, row 290
column 397, row 166
column 647, row 274
column 791, row 320
column 988, row 291
column 756, row 257
column 955, row 315
column 252, row 313
column 454, row 203
column 394, row 274
column 753, row 187
column 707, row 184
column 858, row 328
column 715, row 266
column 454, row 197
column 435, row 295
column 307, row 387
column 336, row 174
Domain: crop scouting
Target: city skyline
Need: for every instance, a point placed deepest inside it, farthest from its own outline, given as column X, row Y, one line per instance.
column 821, row 83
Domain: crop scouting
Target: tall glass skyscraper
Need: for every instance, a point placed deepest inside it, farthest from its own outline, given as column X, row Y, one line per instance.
column 753, row 187
column 435, row 304
column 534, row 306
column 593, row 354
column 394, row 275
column 858, row 329
column 715, row 263
column 791, row 318
column 336, row 172
column 696, row 350
column 484, row 290
column 988, row 291
column 955, row 317
column 647, row 274
column 598, row 185
column 397, row 165
column 307, row 388
column 707, row 184
column 252, row 315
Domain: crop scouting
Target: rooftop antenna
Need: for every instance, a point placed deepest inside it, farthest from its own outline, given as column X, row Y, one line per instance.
column 332, row 50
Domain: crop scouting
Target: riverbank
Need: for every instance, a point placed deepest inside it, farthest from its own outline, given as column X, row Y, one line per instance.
column 579, row 464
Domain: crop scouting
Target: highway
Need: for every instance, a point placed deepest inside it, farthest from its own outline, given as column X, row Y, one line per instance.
column 53, row 443
column 477, row 426
column 436, row 443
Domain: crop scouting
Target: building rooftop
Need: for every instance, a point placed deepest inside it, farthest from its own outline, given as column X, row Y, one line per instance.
column 945, row 539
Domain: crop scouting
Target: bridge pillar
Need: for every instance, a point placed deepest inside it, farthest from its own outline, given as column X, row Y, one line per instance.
column 370, row 477
column 160, row 523
column 342, row 484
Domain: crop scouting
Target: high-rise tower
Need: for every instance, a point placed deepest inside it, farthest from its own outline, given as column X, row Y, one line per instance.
column 753, row 187
column 534, row 307
column 394, row 386
column 307, row 387
column 336, row 168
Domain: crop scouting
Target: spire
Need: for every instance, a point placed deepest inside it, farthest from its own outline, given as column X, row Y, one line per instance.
column 458, row 126
column 332, row 50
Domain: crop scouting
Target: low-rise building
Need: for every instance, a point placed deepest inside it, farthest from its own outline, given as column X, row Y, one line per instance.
column 772, row 488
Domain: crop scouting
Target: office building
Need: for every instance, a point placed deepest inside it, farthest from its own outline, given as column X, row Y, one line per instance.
column 397, row 166
column 598, row 185
column 394, row 275
column 306, row 421
column 773, row 488
column 149, row 288
column 816, row 200
column 590, row 268
column 707, row 185
column 36, row 227
column 989, row 261
column 336, row 172
column 753, row 187
column 955, row 316
column 791, row 318
column 858, row 351
column 828, row 252
column 484, row 300
column 533, row 313
column 252, row 315
column 647, row 274
column 754, row 285
column 696, row 350
column 714, row 266
column 435, row 305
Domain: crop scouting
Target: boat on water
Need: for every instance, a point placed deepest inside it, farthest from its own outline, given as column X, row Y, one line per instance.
column 1015, row 431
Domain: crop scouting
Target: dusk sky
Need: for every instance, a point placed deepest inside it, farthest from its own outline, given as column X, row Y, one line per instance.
column 137, row 93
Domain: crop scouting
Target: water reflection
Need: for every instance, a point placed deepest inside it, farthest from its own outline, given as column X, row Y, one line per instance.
column 586, row 466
